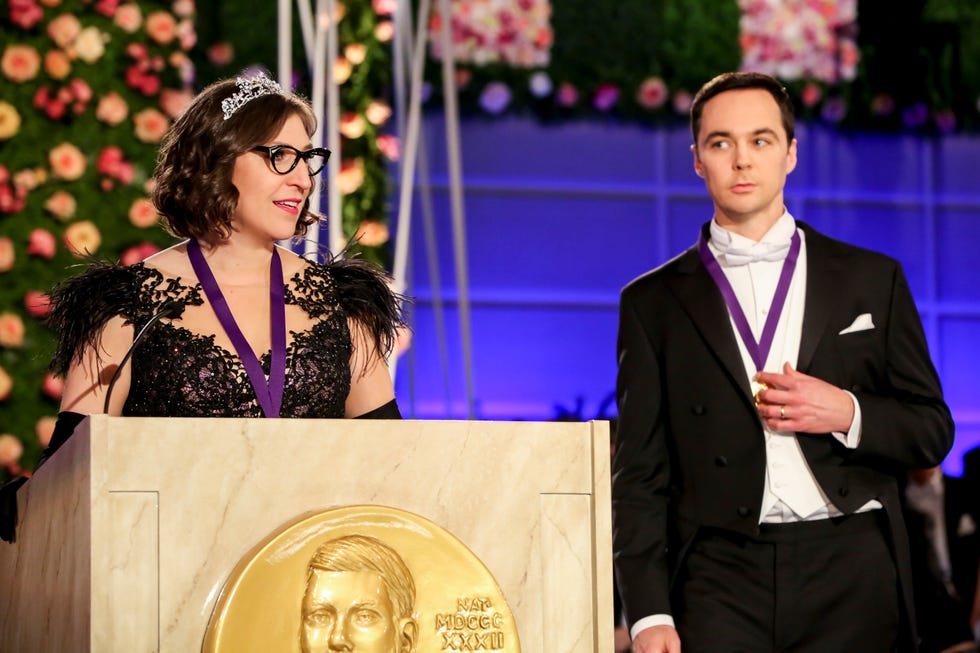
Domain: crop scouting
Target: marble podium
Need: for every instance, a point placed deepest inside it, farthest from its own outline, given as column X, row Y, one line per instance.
column 129, row 533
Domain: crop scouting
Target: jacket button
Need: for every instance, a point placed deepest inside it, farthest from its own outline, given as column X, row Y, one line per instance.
column 721, row 461
column 842, row 491
column 743, row 511
column 698, row 409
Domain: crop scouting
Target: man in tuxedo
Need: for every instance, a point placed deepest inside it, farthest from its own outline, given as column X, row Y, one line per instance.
column 941, row 514
column 772, row 384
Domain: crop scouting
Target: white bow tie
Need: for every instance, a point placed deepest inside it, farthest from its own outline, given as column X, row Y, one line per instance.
column 735, row 256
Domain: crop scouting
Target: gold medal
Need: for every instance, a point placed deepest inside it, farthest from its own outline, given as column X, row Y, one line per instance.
column 757, row 387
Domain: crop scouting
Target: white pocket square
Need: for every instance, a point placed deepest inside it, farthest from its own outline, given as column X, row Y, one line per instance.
column 861, row 323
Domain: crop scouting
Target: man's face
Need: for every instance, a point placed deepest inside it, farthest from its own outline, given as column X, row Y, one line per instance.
column 349, row 611
column 743, row 156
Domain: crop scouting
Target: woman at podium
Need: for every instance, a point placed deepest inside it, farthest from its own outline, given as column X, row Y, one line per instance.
column 226, row 322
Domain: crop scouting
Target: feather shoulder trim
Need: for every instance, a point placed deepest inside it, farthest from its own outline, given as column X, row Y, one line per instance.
column 81, row 306
column 365, row 295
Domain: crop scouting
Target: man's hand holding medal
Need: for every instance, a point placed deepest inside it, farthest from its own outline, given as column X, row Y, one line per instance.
column 793, row 401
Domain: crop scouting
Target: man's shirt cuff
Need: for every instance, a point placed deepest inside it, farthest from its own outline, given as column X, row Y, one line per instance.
column 650, row 622
column 852, row 438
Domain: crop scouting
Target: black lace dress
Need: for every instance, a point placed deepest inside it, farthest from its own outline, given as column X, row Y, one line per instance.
column 178, row 373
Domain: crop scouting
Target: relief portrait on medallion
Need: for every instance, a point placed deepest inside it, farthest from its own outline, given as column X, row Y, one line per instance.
column 359, row 597
column 361, row 579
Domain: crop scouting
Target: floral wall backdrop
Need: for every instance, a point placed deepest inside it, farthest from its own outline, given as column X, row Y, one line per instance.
column 851, row 63
column 87, row 90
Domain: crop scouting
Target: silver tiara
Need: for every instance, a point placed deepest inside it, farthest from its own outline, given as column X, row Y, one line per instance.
column 249, row 88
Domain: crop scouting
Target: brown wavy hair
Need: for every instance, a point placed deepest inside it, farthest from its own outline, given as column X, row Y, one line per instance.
column 193, row 192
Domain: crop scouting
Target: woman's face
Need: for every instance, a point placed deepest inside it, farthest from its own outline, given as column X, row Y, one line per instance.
column 269, row 204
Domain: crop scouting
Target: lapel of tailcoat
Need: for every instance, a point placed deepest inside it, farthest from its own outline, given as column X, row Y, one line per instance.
column 697, row 293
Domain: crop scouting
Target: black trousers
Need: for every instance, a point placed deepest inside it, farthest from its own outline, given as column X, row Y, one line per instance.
column 828, row 586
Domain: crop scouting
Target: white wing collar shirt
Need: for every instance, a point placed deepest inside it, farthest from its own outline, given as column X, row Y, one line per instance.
column 753, row 268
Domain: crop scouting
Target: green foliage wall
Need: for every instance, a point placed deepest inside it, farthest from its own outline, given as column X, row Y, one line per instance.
column 86, row 90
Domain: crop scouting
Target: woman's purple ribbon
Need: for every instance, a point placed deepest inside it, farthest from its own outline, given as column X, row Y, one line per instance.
column 269, row 394
column 759, row 351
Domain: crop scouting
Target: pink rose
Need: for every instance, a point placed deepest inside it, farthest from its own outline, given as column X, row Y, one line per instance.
column 811, row 95
column 161, row 26
column 55, row 109
column 384, row 7
column 128, row 17
column 112, row 109
column 64, row 29
column 61, row 205
column 355, row 53
column 25, row 14
column 567, row 95
column 351, row 176
column 652, row 93
column 20, row 63
column 80, row 90
column 90, row 44
column 109, row 159
column 377, row 112
column 138, row 51
column 388, row 144
column 384, row 31
column 142, row 214
column 682, row 102
column 351, row 125
column 57, row 64
column 53, row 386
column 44, row 429
column 37, row 303
column 41, row 243
column 82, row 238
column 341, row 70
column 10, row 450
column 11, row 330
column 11, row 202
column 151, row 125
column 107, row 7
column 371, row 233
column 173, row 101
column 7, row 255
column 6, row 385
column 28, row 179
column 137, row 253
column 221, row 53
column 67, row 162
column 183, row 8
column 186, row 35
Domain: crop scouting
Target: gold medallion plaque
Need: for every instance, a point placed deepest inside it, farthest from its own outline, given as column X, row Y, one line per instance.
column 361, row 579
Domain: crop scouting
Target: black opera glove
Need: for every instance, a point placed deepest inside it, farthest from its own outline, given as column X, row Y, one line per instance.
column 63, row 428
column 384, row 411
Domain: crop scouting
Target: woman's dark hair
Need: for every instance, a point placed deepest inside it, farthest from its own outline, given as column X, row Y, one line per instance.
column 744, row 80
column 194, row 192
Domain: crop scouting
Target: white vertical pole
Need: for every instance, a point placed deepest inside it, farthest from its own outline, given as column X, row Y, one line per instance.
column 335, row 217
column 456, row 196
column 285, row 45
column 410, row 150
